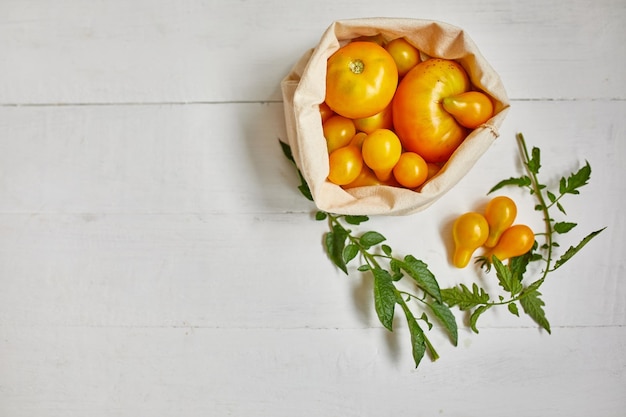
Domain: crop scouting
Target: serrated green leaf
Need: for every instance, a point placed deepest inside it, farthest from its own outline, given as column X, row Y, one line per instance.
column 513, row 309
column 384, row 297
column 462, row 297
column 286, row 150
column 475, row 315
column 422, row 276
column 518, row 265
column 505, row 277
column 369, row 239
column 445, row 316
column 523, row 181
column 418, row 340
column 335, row 243
column 573, row 250
column 305, row 190
column 575, row 180
column 303, row 187
column 563, row 227
column 533, row 306
column 355, row 220
column 534, row 164
column 350, row 252
column 551, row 196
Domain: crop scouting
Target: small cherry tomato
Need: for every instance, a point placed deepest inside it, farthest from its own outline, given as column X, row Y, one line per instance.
column 381, row 120
column 404, row 54
column 500, row 213
column 338, row 131
column 470, row 231
column 325, row 112
column 433, row 169
column 515, row 241
column 470, row 109
column 345, row 164
column 361, row 79
column 411, row 171
column 381, row 152
column 366, row 177
column 378, row 39
column 358, row 139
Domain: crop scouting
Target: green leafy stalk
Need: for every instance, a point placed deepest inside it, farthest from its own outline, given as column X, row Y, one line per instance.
column 344, row 246
column 511, row 276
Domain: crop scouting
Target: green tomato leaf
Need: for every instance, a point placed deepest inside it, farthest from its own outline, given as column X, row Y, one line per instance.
column 321, row 215
column 513, row 309
column 534, row 164
column 445, row 316
column 419, row 271
column 505, row 277
column 573, row 250
column 475, row 315
column 563, row 227
column 355, row 220
column 384, row 297
column 533, row 306
column 418, row 339
column 369, row 239
column 335, row 243
column 575, row 180
column 350, row 252
column 523, row 181
column 462, row 297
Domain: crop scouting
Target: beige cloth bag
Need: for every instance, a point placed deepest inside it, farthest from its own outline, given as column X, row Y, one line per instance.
column 303, row 90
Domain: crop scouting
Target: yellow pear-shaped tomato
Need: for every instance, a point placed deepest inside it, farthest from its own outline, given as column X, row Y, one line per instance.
column 419, row 119
column 361, row 78
column 470, row 231
column 470, row 109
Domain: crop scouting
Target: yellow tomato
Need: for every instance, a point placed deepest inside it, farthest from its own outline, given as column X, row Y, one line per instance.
column 338, row 131
column 358, row 139
column 470, row 231
column 361, row 79
column 366, row 177
column 381, row 152
column 470, row 109
column 345, row 164
column 381, row 120
column 419, row 119
column 515, row 241
column 411, row 171
column 404, row 54
column 325, row 112
column 500, row 213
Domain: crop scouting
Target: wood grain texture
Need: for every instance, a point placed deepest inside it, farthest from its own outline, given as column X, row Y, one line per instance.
column 156, row 258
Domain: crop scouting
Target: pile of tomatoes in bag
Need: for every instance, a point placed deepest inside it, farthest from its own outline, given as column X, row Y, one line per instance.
column 390, row 117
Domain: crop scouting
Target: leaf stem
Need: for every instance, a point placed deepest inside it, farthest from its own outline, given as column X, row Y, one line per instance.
column 542, row 203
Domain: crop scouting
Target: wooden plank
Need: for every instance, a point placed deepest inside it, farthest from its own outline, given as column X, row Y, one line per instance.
column 128, row 371
column 225, row 158
column 170, row 51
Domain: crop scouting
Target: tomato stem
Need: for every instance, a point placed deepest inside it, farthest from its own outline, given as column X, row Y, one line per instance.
column 357, row 66
column 542, row 203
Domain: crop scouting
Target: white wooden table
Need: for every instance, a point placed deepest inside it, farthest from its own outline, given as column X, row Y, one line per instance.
column 156, row 258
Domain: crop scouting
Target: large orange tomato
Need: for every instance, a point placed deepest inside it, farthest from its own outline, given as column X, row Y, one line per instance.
column 361, row 79
column 419, row 119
